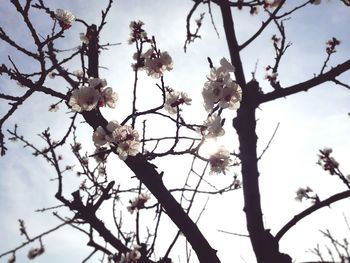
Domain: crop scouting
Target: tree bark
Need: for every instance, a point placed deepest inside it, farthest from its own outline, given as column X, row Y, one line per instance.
column 264, row 244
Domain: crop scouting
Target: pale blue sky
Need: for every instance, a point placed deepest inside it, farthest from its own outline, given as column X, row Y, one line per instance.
column 308, row 121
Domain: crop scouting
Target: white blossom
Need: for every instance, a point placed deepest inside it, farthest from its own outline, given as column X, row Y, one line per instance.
column 127, row 140
column 12, row 259
column 231, row 96
column 95, row 94
column 302, row 193
column 221, row 89
column 211, row 93
column 99, row 137
column 34, row 252
column 174, row 99
column 134, row 254
column 155, row 64
column 108, row 97
column 138, row 202
column 65, row 18
column 84, row 99
column 124, row 137
column 97, row 83
column 100, row 155
column 212, row 127
column 227, row 65
column 220, row 161
column 78, row 73
column 84, row 38
column 137, row 32
column 272, row 3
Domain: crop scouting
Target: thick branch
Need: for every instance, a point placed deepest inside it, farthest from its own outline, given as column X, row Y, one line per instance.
column 310, row 210
column 232, row 41
column 148, row 175
column 306, row 85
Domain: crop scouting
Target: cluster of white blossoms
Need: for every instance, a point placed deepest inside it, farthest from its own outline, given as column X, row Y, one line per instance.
column 154, row 62
column 137, row 32
column 220, row 161
column 221, row 89
column 125, row 138
column 65, row 18
column 174, row 99
column 87, row 98
column 212, row 127
column 132, row 256
column 138, row 202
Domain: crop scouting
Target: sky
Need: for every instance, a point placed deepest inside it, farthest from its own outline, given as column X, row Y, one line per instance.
column 308, row 121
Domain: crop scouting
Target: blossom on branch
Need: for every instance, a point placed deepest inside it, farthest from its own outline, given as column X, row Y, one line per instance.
column 331, row 44
column 174, row 99
column 221, row 89
column 303, row 193
column 138, row 202
column 34, row 252
column 84, row 99
column 327, row 162
column 154, row 62
column 125, row 138
column 220, row 161
column 84, row 38
column 87, row 98
column 132, row 256
column 212, row 127
column 65, row 18
column 78, row 73
column 272, row 3
column 137, row 32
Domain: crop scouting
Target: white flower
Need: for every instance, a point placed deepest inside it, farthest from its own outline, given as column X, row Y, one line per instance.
column 124, row 137
column 138, row 202
column 97, row 83
column 227, row 65
column 65, row 18
column 213, row 127
column 108, row 97
column 134, row 254
column 174, row 99
column 137, row 32
column 220, row 161
column 99, row 137
column 34, row 252
column 211, row 94
column 12, row 259
column 127, row 148
column 272, row 3
column 84, row 99
column 220, row 88
column 84, row 38
column 155, row 64
column 231, row 96
column 100, row 155
column 127, row 140
column 78, row 73
column 302, row 193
